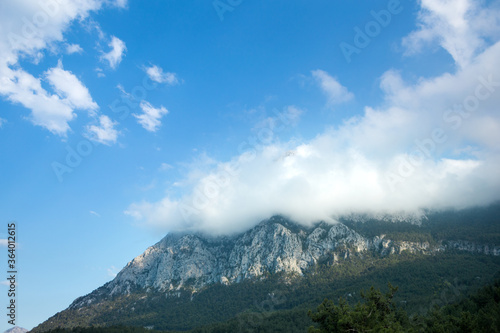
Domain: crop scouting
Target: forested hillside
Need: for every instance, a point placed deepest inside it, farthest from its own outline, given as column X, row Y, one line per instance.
column 435, row 263
column 280, row 300
column 375, row 312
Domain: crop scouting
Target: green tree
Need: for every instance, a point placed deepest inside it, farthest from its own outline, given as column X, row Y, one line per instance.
column 376, row 314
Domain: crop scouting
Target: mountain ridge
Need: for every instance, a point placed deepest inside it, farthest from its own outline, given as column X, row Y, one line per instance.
column 193, row 261
column 189, row 263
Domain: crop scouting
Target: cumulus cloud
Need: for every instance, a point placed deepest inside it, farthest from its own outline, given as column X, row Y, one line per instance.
column 334, row 91
column 4, row 242
column 2, row 121
column 27, row 28
column 115, row 55
column 432, row 144
column 105, row 132
column 156, row 74
column 150, row 118
column 52, row 111
column 70, row 89
column 461, row 27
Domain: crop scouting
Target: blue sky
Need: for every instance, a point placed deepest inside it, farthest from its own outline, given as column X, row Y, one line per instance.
column 123, row 120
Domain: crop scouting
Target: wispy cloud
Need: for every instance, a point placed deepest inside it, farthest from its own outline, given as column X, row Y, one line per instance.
column 112, row 271
column 118, row 3
column 334, row 91
column 94, row 213
column 150, row 118
column 99, row 72
column 289, row 117
column 461, row 27
column 114, row 57
column 156, row 74
column 165, row 166
column 105, row 132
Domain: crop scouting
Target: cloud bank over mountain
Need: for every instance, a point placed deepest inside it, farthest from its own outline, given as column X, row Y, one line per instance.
column 432, row 144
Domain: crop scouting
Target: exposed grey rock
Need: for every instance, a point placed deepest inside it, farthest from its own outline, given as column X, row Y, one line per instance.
column 16, row 329
column 276, row 245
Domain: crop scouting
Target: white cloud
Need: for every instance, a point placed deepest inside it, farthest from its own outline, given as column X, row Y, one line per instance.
column 99, row 72
column 69, row 88
column 26, row 35
column 2, row 121
column 150, row 119
column 4, row 243
column 164, row 167
column 94, row 213
column 459, row 26
column 119, row 3
column 47, row 110
column 334, row 91
column 23, row 36
column 104, row 132
column 114, row 57
column 73, row 48
column 396, row 158
column 156, row 74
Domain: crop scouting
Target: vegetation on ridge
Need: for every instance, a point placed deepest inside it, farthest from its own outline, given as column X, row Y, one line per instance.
column 377, row 312
column 284, row 300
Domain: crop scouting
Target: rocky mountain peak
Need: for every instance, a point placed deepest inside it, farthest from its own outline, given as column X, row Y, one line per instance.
column 193, row 261
column 16, row 329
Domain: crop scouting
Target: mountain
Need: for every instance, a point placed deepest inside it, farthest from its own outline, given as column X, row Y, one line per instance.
column 16, row 329
column 195, row 261
column 174, row 277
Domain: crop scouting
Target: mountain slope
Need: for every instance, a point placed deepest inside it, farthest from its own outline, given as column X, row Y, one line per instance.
column 195, row 261
column 181, row 270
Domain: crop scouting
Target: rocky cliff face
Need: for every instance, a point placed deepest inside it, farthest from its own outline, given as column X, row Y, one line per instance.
column 276, row 245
